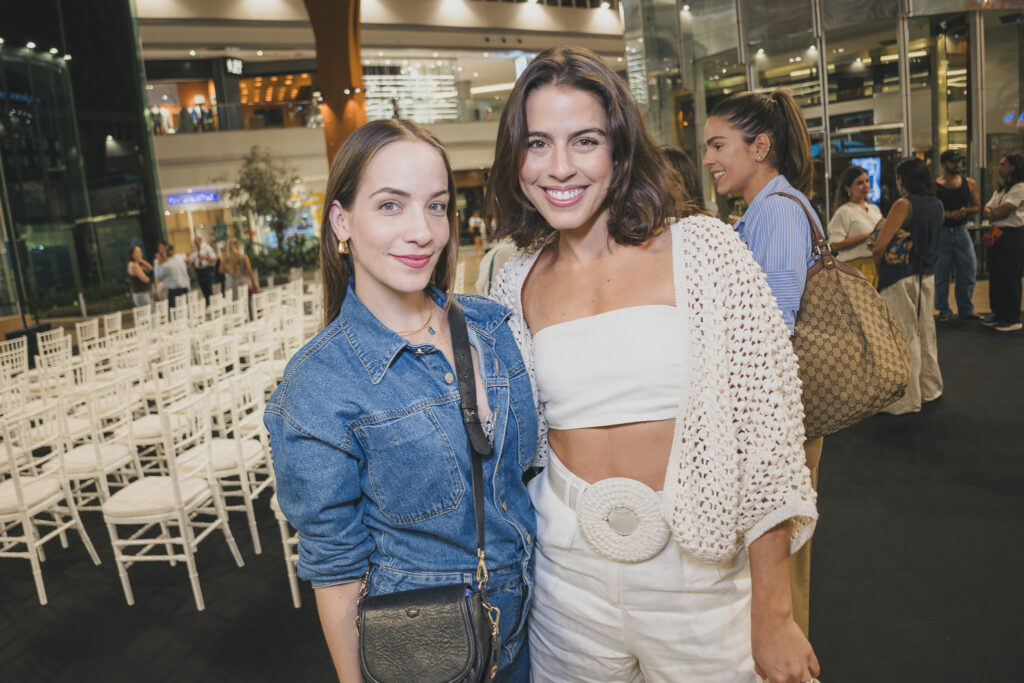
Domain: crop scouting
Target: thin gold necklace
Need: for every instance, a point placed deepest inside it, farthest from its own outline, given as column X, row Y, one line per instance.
column 425, row 326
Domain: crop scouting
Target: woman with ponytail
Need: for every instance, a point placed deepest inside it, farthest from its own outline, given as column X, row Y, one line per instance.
column 757, row 145
column 370, row 450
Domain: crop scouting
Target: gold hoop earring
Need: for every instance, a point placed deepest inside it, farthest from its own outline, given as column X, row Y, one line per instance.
column 343, row 247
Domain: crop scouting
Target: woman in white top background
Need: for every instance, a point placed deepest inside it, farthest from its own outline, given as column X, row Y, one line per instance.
column 854, row 219
column 653, row 345
column 1006, row 254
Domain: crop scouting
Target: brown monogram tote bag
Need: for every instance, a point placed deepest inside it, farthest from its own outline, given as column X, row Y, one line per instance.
column 853, row 358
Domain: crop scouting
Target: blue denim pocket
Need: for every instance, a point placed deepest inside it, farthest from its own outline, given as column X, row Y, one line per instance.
column 412, row 467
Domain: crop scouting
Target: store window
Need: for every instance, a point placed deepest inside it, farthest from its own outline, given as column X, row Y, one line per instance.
column 181, row 107
column 280, row 101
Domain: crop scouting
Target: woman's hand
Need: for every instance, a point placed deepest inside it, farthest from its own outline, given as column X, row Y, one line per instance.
column 781, row 651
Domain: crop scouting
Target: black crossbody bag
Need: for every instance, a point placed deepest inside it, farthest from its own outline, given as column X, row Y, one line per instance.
column 449, row 633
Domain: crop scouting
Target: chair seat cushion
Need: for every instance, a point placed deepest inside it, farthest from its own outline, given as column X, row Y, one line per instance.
column 225, row 456
column 34, row 489
column 153, row 496
column 148, row 428
column 80, row 461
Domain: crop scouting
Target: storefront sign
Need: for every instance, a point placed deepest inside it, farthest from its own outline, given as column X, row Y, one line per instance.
column 193, row 198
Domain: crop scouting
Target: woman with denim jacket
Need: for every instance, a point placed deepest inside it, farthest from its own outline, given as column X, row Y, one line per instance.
column 370, row 451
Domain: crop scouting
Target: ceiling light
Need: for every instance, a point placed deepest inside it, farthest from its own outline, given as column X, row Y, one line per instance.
column 435, row 54
column 192, row 53
column 723, row 71
column 67, row 58
column 605, row 5
column 53, row 50
column 110, row 138
column 620, row 59
column 760, row 52
column 259, row 53
column 475, row 74
column 30, row 45
column 357, row 91
column 686, row 8
column 347, row 91
column 380, row 54
column 1, row 41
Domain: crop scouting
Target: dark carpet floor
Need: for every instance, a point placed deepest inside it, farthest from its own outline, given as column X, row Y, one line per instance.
column 917, row 564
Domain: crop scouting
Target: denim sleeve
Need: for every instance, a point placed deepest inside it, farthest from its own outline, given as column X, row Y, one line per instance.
column 319, row 490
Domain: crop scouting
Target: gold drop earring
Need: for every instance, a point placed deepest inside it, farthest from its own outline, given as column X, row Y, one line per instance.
column 343, row 247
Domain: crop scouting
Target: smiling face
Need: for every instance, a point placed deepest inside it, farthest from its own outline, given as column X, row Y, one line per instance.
column 859, row 188
column 567, row 168
column 731, row 160
column 397, row 226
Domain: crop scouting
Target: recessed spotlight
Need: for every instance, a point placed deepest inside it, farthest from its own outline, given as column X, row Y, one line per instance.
column 30, row 45
column 259, row 53
column 486, row 55
column 439, row 62
column 110, row 138
column 723, row 71
column 192, row 53
column 686, row 8
column 435, row 54
column 620, row 59
column 357, row 91
column 859, row 60
column 475, row 74
column 347, row 91
column 67, row 58
column 760, row 52
column 53, row 50
column 1, row 41
column 380, row 53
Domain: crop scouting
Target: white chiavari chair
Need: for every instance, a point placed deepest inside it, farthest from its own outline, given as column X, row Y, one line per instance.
column 34, row 491
column 160, row 314
column 290, row 545
column 111, row 324
column 87, row 330
column 196, row 308
column 110, row 457
column 172, row 386
column 177, row 510
column 241, row 461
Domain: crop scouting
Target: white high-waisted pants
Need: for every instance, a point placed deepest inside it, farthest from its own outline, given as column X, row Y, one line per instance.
column 595, row 620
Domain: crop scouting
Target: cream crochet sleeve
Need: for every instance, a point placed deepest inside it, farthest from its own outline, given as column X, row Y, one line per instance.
column 737, row 465
column 507, row 291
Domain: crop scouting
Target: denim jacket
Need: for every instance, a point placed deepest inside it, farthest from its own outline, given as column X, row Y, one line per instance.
column 373, row 464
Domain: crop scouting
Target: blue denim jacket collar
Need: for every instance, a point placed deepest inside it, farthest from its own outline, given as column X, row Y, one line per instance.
column 376, row 345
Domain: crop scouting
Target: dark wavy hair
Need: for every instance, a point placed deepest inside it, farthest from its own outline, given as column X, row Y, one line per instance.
column 343, row 184
column 846, row 179
column 644, row 191
column 778, row 116
column 1017, row 161
column 687, row 170
column 915, row 178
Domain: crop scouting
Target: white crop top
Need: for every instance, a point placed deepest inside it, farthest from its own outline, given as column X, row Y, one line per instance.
column 621, row 366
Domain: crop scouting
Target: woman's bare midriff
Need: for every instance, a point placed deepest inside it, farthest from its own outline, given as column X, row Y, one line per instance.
column 637, row 450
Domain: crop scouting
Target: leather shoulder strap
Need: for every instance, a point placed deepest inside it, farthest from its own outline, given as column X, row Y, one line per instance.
column 479, row 446
column 819, row 245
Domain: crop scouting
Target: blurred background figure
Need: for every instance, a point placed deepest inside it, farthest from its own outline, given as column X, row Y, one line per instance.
column 171, row 272
column 237, row 271
column 960, row 199
column 854, row 219
column 685, row 167
column 1005, row 210
column 203, row 260
column 138, row 269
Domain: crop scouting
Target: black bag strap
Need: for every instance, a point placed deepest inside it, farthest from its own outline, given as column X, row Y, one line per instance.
column 479, row 446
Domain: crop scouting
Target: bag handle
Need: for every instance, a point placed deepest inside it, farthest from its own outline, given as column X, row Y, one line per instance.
column 819, row 245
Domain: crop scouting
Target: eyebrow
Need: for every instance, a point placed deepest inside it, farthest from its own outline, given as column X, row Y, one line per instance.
column 585, row 131
column 403, row 193
column 713, row 138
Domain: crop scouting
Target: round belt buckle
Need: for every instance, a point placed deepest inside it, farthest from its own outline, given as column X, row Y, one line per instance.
column 620, row 518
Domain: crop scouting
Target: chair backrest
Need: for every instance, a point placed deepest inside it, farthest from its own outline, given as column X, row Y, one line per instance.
column 13, row 357
column 111, row 324
column 246, row 405
column 196, row 309
column 99, row 356
column 142, row 317
column 178, row 315
column 110, row 406
column 48, row 339
column 54, row 366
column 160, row 313
column 35, row 442
column 87, row 330
column 187, row 444
column 220, row 355
column 173, row 378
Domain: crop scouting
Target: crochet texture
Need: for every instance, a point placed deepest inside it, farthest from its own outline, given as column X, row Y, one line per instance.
column 737, row 467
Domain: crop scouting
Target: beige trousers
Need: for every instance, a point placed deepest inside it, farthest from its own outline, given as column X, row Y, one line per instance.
column 918, row 327
column 800, row 561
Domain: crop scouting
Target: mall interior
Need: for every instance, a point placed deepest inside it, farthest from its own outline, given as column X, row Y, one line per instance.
column 126, row 122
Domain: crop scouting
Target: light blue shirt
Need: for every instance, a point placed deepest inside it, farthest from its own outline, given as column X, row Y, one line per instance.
column 776, row 231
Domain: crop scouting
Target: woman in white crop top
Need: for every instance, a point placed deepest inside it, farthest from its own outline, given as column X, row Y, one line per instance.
column 673, row 445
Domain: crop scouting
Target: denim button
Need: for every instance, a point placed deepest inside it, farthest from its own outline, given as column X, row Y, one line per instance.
column 504, row 506
column 448, row 377
column 529, row 538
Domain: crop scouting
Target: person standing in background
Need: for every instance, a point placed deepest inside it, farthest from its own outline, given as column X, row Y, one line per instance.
column 907, row 287
column 960, row 199
column 476, row 229
column 1005, row 211
column 204, row 261
column 854, row 219
column 137, row 269
column 685, row 167
column 758, row 146
column 171, row 273
column 237, row 271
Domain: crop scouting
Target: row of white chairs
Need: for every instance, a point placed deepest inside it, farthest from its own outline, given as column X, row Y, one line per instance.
column 159, row 427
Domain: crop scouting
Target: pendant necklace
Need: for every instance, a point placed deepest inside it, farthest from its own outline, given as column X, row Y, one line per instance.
column 426, row 326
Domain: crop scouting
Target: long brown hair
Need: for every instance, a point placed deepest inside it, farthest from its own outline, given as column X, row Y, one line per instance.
column 644, row 190
column 687, row 170
column 846, row 179
column 343, row 184
column 778, row 116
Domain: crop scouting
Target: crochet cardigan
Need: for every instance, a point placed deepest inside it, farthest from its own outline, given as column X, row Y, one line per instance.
column 737, row 464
